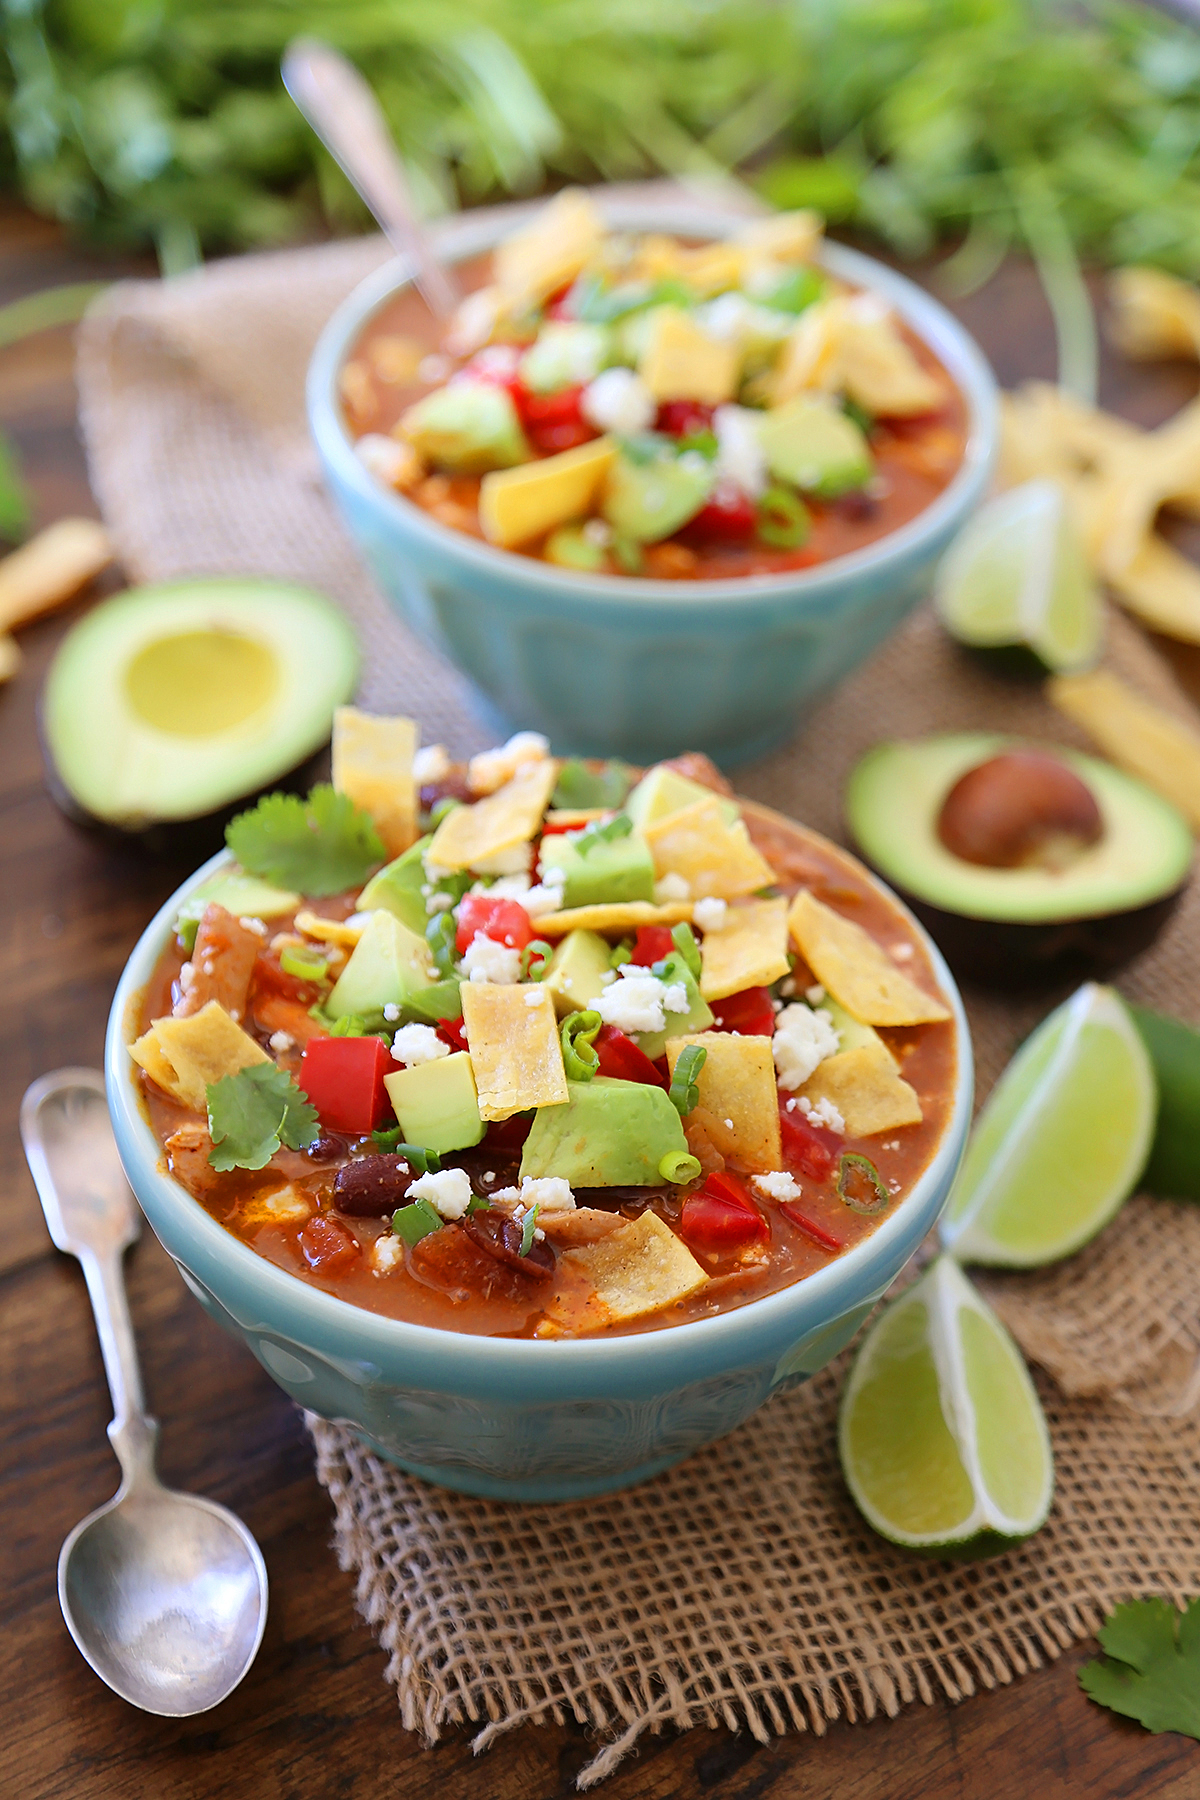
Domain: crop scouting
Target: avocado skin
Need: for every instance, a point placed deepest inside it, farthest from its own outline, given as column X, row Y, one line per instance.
column 1173, row 1170
column 1006, row 954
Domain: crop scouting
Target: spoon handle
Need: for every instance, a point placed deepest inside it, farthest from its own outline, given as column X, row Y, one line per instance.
column 345, row 115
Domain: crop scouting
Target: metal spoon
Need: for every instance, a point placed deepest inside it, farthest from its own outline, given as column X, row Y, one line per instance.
column 345, row 115
column 165, row 1594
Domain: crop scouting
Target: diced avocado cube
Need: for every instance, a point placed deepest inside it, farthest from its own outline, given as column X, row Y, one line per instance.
column 467, row 427
column 698, row 1016
column 390, row 966
column 662, row 791
column 566, row 354
column 441, row 1001
column 397, row 888
column 852, row 1033
column 648, row 498
column 436, row 1103
column 570, row 548
column 576, row 968
column 811, row 443
column 242, row 895
column 600, row 869
column 609, row 1134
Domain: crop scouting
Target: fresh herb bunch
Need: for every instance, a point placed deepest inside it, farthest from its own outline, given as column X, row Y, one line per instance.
column 1013, row 121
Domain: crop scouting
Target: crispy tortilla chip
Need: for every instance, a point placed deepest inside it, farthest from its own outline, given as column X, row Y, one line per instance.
column 469, row 835
column 373, row 766
column 1135, row 732
column 185, row 1055
column 551, row 249
column 739, row 1101
column 1162, row 588
column 512, row 1034
column 1153, row 314
column 867, row 1090
column 10, row 656
column 639, row 1269
column 51, row 568
column 330, row 931
column 613, row 916
column 857, row 971
column 749, row 950
column 715, row 857
column 851, row 344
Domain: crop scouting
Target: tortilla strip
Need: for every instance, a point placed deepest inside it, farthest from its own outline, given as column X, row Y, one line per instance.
column 1135, row 732
column 857, row 971
column 373, row 766
column 639, row 1269
column 748, row 950
column 469, row 835
column 512, row 1034
column 738, row 1100
column 867, row 1090
column 184, row 1056
column 613, row 915
column 712, row 854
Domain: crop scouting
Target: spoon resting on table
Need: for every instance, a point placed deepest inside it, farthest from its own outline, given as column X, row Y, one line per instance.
column 164, row 1593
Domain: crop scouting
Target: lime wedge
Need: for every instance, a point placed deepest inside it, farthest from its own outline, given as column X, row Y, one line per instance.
column 1062, row 1140
column 942, row 1439
column 1017, row 576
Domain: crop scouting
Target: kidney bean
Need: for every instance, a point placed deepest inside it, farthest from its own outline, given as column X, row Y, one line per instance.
column 500, row 1236
column 371, row 1185
column 326, row 1148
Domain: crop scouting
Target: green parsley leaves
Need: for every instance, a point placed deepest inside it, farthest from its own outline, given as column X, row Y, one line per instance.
column 1152, row 1668
column 253, row 1113
column 321, row 845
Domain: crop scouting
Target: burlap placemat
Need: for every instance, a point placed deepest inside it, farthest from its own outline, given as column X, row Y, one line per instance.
column 741, row 1588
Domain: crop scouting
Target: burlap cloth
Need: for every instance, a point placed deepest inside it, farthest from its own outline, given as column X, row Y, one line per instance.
column 742, row 1587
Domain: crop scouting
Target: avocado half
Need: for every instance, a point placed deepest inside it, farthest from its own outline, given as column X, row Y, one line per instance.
column 167, row 707
column 1020, row 925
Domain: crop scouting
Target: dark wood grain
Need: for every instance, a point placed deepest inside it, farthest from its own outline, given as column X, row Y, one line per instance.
column 314, row 1720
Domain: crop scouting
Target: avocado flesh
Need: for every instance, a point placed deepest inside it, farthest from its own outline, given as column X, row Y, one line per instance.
column 811, row 443
column 436, row 1103
column 397, row 888
column 647, row 501
column 389, row 966
column 577, row 970
column 605, row 870
column 1016, row 925
column 663, row 791
column 609, row 1134
column 169, row 704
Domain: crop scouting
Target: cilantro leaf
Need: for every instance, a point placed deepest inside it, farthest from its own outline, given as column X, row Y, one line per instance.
column 251, row 1114
column 1152, row 1669
column 321, row 845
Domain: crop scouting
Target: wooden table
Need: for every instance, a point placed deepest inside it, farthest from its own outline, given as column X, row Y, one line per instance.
column 314, row 1719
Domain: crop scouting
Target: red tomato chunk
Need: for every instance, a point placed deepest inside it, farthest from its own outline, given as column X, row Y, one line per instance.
column 326, row 1246
column 553, row 422
column 721, row 1217
column 750, row 1013
column 684, row 418
column 343, row 1077
column 810, row 1148
column 621, row 1058
column 652, row 944
column 504, row 920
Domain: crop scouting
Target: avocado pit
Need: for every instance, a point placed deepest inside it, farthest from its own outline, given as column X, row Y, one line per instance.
column 1023, row 809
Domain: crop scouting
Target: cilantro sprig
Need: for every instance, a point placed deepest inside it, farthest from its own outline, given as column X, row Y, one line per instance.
column 256, row 1112
column 321, row 845
column 1151, row 1671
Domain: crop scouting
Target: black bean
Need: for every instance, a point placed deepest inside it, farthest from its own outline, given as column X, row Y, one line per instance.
column 371, row 1185
column 500, row 1236
column 325, row 1149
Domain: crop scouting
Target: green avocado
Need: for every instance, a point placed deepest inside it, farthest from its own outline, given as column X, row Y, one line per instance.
column 245, row 896
column 574, row 977
column 436, row 1103
column 468, row 427
column 605, row 869
column 662, row 791
column 566, row 354
column 397, row 888
column 698, row 1017
column 648, row 497
column 1088, row 914
column 812, row 444
column 609, row 1134
column 389, row 966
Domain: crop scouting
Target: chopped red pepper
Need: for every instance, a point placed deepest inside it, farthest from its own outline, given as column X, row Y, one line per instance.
column 812, row 1149
column 343, row 1077
column 326, row 1246
column 621, row 1058
column 810, row 1227
column 749, row 1012
column 652, row 944
column 684, row 418
column 720, row 1216
column 454, row 1032
column 728, row 514
column 553, row 422
column 504, row 920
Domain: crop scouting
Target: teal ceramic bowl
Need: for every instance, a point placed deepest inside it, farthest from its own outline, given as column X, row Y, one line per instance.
column 622, row 666
column 511, row 1418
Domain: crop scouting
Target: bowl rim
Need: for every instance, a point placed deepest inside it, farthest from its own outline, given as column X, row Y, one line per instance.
column 315, row 1310
column 469, row 235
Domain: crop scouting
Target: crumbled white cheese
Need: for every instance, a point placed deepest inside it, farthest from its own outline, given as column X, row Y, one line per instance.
column 901, row 952
column 432, row 370
column 437, row 900
column 430, row 764
column 257, row 926
column 729, row 1122
column 507, row 887
column 545, row 897
column 740, row 457
column 448, row 1192
column 803, row 1039
column 709, row 914
column 549, row 1192
column 492, row 768
column 487, row 960
column 639, row 1001
column 514, row 861
column 415, row 1044
column 672, row 887
column 396, row 464
column 536, row 897
column 814, row 994
column 618, row 401
column 535, row 996
column 823, row 1113
column 598, row 532
column 391, row 1012
column 778, row 1185
column 281, row 1041
column 387, row 1253
column 695, row 462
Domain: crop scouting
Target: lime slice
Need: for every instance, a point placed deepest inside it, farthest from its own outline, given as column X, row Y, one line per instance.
column 1061, row 1141
column 942, row 1439
column 1017, row 576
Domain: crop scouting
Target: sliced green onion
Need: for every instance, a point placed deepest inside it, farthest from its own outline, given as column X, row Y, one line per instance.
column 535, row 959
column 783, row 522
column 619, row 826
column 627, row 553
column 580, row 787
column 852, row 1164
column 684, row 940
column 703, row 442
column 187, row 924
column 580, row 1058
column 440, row 808
column 621, row 953
column 416, row 1221
column 350, row 1024
column 678, row 1166
column 305, row 965
column 684, row 1094
column 420, row 1161
column 440, row 934
column 477, row 1204
column 528, row 1227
